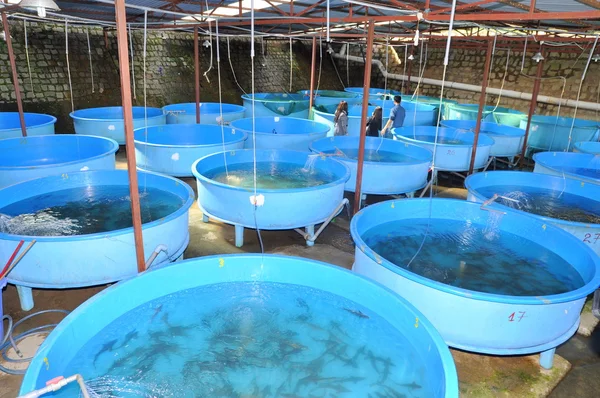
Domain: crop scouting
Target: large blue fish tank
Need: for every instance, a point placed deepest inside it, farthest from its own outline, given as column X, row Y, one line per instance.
column 552, row 133
column 491, row 113
column 508, row 141
column 108, row 121
column 375, row 94
column 26, row 158
column 422, row 115
column 82, row 225
column 276, row 104
column 580, row 166
column 172, row 148
column 293, row 190
column 433, row 101
column 327, row 98
column 489, row 279
column 35, row 124
column 452, row 148
column 274, row 132
column 565, row 202
column 390, row 167
column 210, row 113
column 247, row 325
column 592, row 147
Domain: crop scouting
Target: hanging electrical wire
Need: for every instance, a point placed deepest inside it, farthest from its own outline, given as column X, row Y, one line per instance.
column 232, row 70
column 68, row 66
column 220, row 121
column 291, row 64
column 87, row 35
column 27, row 57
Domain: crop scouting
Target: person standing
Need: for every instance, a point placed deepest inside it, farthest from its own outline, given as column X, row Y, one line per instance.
column 374, row 123
column 340, row 120
column 397, row 115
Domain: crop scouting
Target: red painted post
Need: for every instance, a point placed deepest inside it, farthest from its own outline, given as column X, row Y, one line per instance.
column 197, row 74
column 15, row 75
column 532, row 105
column 313, row 65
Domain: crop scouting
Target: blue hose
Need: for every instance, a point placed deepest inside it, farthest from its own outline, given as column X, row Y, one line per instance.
column 11, row 341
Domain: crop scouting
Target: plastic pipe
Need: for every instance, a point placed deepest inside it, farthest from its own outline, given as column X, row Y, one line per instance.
column 155, row 253
column 58, row 383
column 592, row 106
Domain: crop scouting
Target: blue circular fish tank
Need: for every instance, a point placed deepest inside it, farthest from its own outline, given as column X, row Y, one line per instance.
column 276, row 104
column 433, row 101
column 489, row 279
column 375, row 94
column 294, row 189
column 108, row 121
column 247, row 325
column 508, row 141
column 82, row 225
column 551, row 133
column 328, row 98
column 491, row 113
column 592, row 147
column 274, row 132
column 416, row 113
column 580, row 166
column 453, row 149
column 390, row 167
column 210, row 113
column 565, row 202
column 26, row 158
column 172, row 148
column 35, row 124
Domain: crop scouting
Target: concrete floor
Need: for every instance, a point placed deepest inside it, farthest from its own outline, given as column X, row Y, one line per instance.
column 480, row 376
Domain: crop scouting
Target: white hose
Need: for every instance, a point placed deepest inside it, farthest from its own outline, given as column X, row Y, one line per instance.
column 68, row 66
column 27, row 56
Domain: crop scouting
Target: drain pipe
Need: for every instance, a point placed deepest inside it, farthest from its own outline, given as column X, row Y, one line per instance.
column 58, row 383
column 592, row 106
column 155, row 253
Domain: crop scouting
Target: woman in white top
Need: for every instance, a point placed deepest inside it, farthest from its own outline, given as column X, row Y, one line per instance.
column 340, row 120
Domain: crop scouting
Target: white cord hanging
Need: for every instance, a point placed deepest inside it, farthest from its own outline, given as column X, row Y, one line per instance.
column 221, row 122
column 348, row 63
column 503, row 78
column 132, row 61
column 87, row 35
column 320, row 65
column 27, row 56
column 291, row 64
column 144, row 53
column 232, row 70
column 68, row 66
column 211, row 53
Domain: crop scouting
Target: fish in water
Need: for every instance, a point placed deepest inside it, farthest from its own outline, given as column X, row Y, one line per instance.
column 129, row 336
column 357, row 313
column 156, row 311
column 108, row 346
column 301, row 303
column 411, row 386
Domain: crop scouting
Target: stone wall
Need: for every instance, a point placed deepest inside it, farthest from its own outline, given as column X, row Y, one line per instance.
column 169, row 69
column 466, row 66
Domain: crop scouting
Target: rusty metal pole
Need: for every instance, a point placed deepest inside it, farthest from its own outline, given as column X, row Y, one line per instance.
column 532, row 106
column 363, row 119
column 313, row 65
column 15, row 75
column 121, row 18
column 484, row 84
column 197, row 74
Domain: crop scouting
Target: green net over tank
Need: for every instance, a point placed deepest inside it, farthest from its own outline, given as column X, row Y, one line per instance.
column 282, row 103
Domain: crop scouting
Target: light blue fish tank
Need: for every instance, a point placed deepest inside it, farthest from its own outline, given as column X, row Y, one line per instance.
column 26, row 158
column 552, row 133
column 271, row 190
column 592, row 147
column 452, row 148
column 580, row 166
column 210, row 113
column 375, row 94
column 35, row 124
column 172, row 148
column 328, row 98
column 108, row 121
column 390, row 167
column 490, row 280
column 276, row 104
column 82, row 226
column 246, row 325
column 565, row 202
column 275, row 132
column 493, row 114
column 433, row 101
column 508, row 141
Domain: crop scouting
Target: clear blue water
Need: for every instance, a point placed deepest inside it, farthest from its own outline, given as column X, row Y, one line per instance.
column 591, row 172
column 546, row 202
column 272, row 175
column 473, row 257
column 84, row 210
column 250, row 340
column 372, row 155
column 440, row 139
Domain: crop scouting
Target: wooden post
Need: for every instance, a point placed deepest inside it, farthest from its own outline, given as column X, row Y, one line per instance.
column 363, row 119
column 15, row 75
column 313, row 65
column 532, row 105
column 484, row 84
column 121, row 18
column 197, row 74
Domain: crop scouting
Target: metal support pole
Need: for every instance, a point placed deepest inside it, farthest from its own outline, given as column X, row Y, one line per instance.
column 486, row 73
column 121, row 19
column 15, row 75
column 532, row 106
column 313, row 65
column 197, row 74
column 408, row 73
column 363, row 119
